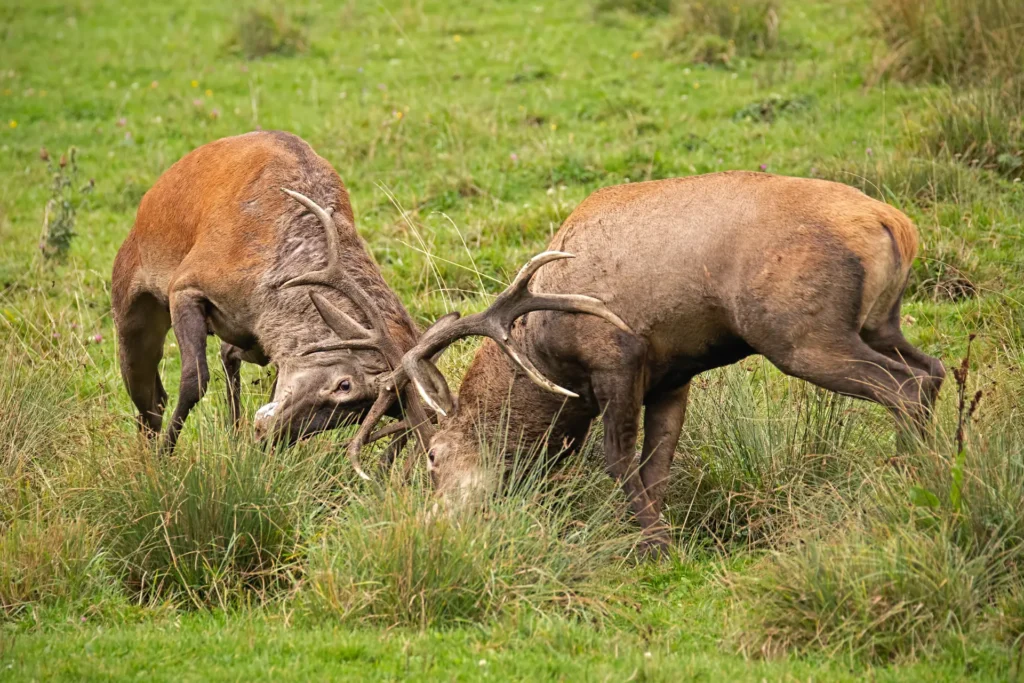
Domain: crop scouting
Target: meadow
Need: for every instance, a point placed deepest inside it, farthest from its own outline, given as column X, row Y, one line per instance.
column 808, row 543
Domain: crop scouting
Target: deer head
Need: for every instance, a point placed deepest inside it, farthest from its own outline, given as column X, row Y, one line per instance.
column 334, row 381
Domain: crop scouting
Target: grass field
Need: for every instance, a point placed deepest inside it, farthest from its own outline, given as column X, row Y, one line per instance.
column 808, row 545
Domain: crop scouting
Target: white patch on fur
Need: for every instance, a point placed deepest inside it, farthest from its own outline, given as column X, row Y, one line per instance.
column 265, row 413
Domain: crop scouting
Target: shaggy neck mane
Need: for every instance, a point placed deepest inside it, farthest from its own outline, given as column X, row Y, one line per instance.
column 290, row 312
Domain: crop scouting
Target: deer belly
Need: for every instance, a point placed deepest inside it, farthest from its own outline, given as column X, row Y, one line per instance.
column 231, row 331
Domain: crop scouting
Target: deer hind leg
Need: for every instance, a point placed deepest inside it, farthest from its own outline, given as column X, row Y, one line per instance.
column 849, row 366
column 888, row 340
column 619, row 393
column 231, row 359
column 188, row 312
column 803, row 310
column 663, row 421
column 140, row 336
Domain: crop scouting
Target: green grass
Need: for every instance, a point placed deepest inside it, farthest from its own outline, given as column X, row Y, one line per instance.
column 808, row 545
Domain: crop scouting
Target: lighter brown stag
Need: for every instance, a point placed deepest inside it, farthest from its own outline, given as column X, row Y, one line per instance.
column 703, row 271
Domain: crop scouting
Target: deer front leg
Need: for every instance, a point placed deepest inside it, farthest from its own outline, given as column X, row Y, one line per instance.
column 663, row 421
column 140, row 335
column 188, row 317
column 620, row 396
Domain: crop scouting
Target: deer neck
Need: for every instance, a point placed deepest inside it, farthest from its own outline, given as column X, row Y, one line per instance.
column 502, row 406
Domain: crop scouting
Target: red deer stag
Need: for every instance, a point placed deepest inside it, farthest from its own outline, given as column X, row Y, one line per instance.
column 705, row 271
column 217, row 248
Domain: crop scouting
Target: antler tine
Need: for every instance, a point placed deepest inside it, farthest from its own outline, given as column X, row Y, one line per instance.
column 532, row 372
column 404, row 425
column 390, row 430
column 412, row 368
column 570, row 303
column 526, row 301
column 380, row 406
column 530, row 268
column 323, row 276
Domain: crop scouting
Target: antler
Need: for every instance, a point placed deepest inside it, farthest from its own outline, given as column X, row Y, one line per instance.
column 496, row 323
column 352, row 333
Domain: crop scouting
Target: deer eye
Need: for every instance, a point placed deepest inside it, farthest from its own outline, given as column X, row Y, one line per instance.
column 431, row 456
column 344, row 386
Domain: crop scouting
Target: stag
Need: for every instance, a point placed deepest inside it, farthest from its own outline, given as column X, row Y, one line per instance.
column 220, row 245
column 698, row 273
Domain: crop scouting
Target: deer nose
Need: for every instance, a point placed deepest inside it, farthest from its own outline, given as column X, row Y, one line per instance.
column 264, row 416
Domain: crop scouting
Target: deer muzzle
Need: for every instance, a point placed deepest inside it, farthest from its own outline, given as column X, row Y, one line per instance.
column 264, row 418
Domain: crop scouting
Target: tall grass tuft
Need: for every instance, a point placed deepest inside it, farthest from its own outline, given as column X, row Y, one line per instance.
column 982, row 128
column 888, row 595
column 718, row 31
column 262, row 32
column 651, row 7
column 222, row 520
column 36, row 399
column 974, row 486
column 959, row 41
column 901, row 177
column 760, row 450
column 929, row 548
column 393, row 558
column 1007, row 620
column 45, row 559
column 49, row 553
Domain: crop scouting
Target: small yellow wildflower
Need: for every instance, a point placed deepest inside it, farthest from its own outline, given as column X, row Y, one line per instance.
column 636, row 54
column 195, row 84
column 554, row 126
column 154, row 85
column 209, row 93
column 457, row 38
column 13, row 124
column 696, row 85
column 398, row 115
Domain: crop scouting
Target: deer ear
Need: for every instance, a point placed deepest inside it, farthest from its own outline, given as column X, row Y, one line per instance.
column 340, row 322
column 433, row 387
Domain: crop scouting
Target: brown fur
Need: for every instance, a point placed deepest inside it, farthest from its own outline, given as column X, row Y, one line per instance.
column 704, row 270
column 213, row 241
